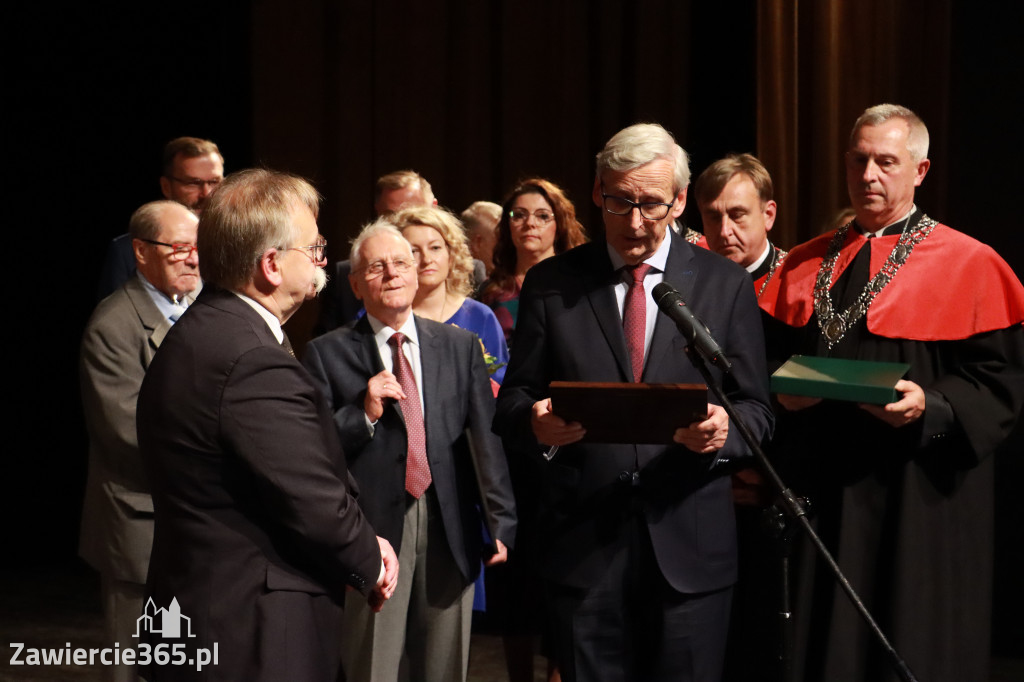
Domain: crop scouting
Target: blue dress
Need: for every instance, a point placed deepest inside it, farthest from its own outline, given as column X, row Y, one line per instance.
column 479, row 319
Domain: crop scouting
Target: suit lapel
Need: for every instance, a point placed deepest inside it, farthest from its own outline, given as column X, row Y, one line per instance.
column 681, row 273
column 599, row 280
column 369, row 356
column 430, row 366
column 152, row 319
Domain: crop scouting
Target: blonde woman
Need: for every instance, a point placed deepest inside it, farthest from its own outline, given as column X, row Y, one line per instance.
column 445, row 272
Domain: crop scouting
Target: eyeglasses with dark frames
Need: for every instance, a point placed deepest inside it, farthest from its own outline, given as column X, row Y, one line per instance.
column 178, row 251
column 196, row 183
column 651, row 210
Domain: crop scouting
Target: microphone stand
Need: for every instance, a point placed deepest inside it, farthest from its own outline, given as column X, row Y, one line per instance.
column 793, row 509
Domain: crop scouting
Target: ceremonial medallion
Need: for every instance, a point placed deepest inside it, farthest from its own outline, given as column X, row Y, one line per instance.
column 834, row 325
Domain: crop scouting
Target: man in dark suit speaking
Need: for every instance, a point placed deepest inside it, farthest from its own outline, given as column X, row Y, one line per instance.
column 413, row 406
column 257, row 527
column 638, row 543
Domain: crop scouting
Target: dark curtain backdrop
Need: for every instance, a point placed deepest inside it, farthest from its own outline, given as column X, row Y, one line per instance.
column 474, row 95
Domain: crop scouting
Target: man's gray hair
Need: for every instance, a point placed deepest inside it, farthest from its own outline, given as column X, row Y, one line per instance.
column 250, row 212
column 145, row 223
column 481, row 214
column 378, row 226
column 917, row 136
column 641, row 144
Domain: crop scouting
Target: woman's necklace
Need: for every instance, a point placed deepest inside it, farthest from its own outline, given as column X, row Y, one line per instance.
column 834, row 325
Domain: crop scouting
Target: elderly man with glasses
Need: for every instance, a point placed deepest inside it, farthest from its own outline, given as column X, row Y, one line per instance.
column 192, row 168
column 413, row 406
column 119, row 343
column 638, row 543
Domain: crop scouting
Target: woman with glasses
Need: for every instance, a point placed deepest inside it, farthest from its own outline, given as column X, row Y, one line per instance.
column 445, row 271
column 537, row 222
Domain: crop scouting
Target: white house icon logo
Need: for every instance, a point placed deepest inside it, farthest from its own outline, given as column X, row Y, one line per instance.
column 166, row 622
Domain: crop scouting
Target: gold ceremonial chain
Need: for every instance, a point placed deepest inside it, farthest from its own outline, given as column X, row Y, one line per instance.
column 835, row 325
column 778, row 255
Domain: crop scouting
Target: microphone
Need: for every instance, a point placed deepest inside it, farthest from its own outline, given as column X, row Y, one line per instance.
column 696, row 332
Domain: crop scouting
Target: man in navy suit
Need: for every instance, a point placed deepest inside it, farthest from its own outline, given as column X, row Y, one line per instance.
column 258, row 531
column 413, row 406
column 638, row 544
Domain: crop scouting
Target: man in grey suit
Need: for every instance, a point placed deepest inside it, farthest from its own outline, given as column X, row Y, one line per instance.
column 192, row 169
column 413, row 407
column 119, row 342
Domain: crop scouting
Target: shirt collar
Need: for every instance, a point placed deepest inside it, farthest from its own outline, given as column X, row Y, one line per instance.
column 879, row 233
column 269, row 317
column 752, row 268
column 168, row 307
column 382, row 332
column 657, row 260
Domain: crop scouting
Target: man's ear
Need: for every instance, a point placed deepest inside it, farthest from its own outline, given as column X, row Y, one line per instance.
column 354, row 283
column 139, row 249
column 165, row 186
column 770, row 208
column 269, row 269
column 680, row 204
column 922, row 170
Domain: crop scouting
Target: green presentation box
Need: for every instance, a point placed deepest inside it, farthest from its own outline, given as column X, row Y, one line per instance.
column 858, row 381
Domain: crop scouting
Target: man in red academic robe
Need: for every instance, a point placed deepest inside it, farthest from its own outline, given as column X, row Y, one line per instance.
column 903, row 492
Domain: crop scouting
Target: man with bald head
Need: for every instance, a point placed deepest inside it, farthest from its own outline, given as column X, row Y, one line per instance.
column 123, row 334
column 191, row 169
column 902, row 491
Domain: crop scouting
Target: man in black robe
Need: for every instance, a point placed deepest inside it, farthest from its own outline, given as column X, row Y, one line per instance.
column 903, row 492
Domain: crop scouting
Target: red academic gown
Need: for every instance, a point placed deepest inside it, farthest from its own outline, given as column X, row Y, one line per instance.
column 907, row 512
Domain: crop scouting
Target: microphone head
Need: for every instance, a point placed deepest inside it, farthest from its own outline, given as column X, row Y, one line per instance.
column 661, row 293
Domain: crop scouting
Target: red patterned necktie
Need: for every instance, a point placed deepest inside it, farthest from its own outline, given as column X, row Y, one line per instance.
column 634, row 318
column 417, row 469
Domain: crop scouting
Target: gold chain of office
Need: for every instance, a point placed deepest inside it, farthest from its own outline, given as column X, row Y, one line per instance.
column 778, row 255
column 834, row 325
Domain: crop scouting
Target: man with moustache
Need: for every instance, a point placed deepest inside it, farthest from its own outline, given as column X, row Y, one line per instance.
column 637, row 541
column 413, row 407
column 122, row 336
column 734, row 196
column 902, row 492
column 192, row 168
column 258, row 531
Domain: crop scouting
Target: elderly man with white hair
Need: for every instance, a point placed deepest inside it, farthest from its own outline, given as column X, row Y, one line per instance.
column 638, row 543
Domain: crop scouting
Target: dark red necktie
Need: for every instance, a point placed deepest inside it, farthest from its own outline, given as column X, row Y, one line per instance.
column 417, row 469
column 634, row 318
